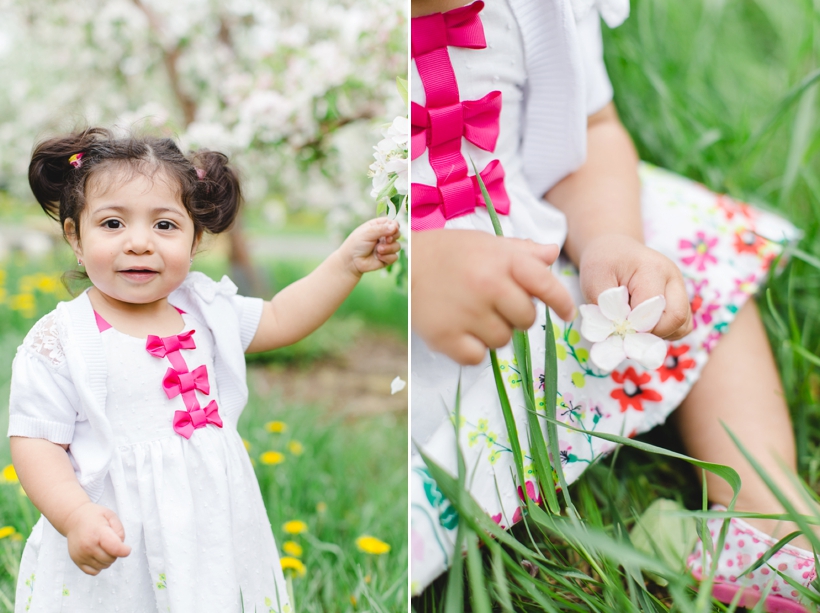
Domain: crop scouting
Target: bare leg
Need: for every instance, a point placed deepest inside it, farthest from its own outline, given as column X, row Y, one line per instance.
column 741, row 388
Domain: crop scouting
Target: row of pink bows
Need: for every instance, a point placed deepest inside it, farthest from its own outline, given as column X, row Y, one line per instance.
column 179, row 380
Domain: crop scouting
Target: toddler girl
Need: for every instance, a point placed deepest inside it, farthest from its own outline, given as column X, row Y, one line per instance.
column 519, row 88
column 125, row 400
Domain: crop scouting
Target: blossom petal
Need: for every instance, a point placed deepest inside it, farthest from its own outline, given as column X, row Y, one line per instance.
column 595, row 327
column 614, row 303
column 608, row 354
column 647, row 314
column 648, row 349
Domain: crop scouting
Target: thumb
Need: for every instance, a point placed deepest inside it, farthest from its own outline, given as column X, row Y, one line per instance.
column 375, row 229
column 112, row 540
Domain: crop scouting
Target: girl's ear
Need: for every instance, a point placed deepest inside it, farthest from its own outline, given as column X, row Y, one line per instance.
column 72, row 237
column 197, row 238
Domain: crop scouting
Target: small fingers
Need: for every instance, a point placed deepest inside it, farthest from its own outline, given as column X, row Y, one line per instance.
column 536, row 279
column 112, row 545
column 493, row 331
column 466, row 350
column 516, row 307
column 546, row 253
column 89, row 570
column 676, row 321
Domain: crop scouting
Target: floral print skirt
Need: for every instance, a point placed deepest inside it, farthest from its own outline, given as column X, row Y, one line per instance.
column 724, row 249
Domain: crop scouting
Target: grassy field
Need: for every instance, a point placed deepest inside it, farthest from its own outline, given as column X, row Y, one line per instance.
column 344, row 478
column 724, row 92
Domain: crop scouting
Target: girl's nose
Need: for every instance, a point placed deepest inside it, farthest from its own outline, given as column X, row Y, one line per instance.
column 139, row 241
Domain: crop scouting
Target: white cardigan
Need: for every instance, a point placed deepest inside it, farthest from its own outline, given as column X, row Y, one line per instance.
column 58, row 383
column 567, row 81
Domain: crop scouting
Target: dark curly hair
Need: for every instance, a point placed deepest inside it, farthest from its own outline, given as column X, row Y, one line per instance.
column 208, row 186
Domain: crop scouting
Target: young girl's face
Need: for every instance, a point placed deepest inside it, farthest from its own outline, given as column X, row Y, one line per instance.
column 136, row 238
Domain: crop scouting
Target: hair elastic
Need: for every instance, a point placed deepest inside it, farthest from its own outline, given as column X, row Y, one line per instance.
column 200, row 173
column 76, row 160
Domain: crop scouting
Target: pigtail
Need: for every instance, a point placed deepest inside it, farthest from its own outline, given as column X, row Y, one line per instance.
column 216, row 201
column 52, row 172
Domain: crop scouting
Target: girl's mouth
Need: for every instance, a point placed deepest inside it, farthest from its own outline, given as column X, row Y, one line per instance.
column 138, row 275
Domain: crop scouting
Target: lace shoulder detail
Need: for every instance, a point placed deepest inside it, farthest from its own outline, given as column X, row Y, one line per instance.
column 44, row 340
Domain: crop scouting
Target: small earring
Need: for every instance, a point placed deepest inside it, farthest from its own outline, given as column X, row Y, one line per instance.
column 79, row 262
column 192, row 260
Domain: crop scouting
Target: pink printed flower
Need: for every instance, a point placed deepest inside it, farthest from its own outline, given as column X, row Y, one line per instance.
column 746, row 287
column 700, row 248
column 619, row 332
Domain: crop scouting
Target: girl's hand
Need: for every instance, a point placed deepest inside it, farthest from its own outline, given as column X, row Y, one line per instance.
column 470, row 289
column 371, row 246
column 612, row 260
column 95, row 538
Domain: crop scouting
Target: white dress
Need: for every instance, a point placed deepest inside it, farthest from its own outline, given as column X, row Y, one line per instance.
column 191, row 507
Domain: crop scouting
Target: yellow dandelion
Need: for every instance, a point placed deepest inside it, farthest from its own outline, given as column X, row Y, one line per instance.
column 276, row 427
column 48, row 285
column 295, row 526
column 295, row 447
column 367, row 579
column 353, row 600
column 3, row 295
column 16, row 537
column 372, row 545
column 24, row 303
column 272, row 457
column 7, row 531
column 9, row 474
column 321, row 507
column 247, row 444
column 292, row 548
column 292, row 564
column 27, row 283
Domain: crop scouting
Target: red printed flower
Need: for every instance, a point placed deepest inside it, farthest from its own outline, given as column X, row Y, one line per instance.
column 731, row 208
column 700, row 251
column 747, row 241
column 676, row 363
column 632, row 394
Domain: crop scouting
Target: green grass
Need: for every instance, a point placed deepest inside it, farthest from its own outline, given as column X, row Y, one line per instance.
column 723, row 92
column 355, row 469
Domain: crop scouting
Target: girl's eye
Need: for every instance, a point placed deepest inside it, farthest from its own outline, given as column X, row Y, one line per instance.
column 112, row 224
column 165, row 225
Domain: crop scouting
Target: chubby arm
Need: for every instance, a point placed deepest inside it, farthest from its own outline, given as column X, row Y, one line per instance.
column 602, row 202
column 305, row 305
column 95, row 534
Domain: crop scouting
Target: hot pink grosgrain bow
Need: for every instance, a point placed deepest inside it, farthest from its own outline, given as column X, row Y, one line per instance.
column 431, row 35
column 460, row 27
column 432, row 206
column 175, row 383
column 160, row 347
column 476, row 120
column 186, row 422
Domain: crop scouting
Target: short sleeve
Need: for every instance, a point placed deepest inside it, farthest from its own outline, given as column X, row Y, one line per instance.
column 596, row 81
column 43, row 402
column 249, row 312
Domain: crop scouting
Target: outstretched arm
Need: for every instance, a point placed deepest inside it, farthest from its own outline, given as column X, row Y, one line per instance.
column 95, row 534
column 305, row 305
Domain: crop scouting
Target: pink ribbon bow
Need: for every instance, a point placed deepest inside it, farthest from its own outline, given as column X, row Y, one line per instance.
column 476, row 120
column 170, row 346
column 430, row 37
column 186, row 383
column 186, row 422
column 160, row 347
column 431, row 207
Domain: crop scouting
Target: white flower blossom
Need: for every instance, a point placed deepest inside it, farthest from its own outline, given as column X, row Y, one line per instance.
column 397, row 385
column 619, row 332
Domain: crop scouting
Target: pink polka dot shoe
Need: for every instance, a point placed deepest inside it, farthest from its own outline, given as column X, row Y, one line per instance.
column 743, row 547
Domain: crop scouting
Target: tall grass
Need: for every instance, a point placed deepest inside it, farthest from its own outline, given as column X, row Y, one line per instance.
column 723, row 92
